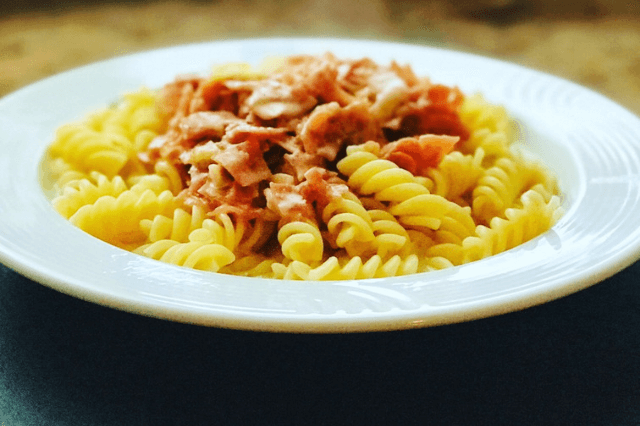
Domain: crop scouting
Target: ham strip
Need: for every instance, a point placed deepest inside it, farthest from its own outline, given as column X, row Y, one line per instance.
column 307, row 199
column 244, row 161
column 433, row 110
column 330, row 126
column 206, row 124
column 300, row 162
column 234, row 135
column 174, row 98
column 274, row 99
column 417, row 155
column 288, row 204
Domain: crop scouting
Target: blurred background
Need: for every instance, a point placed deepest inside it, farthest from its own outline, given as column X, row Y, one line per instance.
column 593, row 42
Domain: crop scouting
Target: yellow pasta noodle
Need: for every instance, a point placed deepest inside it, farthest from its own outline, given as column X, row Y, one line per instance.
column 87, row 149
column 194, row 254
column 411, row 201
column 77, row 193
column 106, row 141
column 348, row 268
column 301, row 241
column 489, row 125
column 123, row 214
column 457, row 175
column 177, row 228
column 519, row 226
column 391, row 237
column 252, row 265
column 349, row 225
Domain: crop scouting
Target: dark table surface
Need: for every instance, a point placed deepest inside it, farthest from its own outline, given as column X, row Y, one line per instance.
column 574, row 361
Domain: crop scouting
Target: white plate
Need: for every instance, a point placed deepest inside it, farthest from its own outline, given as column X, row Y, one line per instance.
column 590, row 142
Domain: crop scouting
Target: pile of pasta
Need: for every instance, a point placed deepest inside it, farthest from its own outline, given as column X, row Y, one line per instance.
column 384, row 218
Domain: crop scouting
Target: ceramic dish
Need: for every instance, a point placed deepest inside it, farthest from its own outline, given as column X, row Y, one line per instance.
column 591, row 143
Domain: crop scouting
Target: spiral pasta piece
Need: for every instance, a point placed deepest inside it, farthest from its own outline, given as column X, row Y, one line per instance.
column 493, row 144
column 447, row 241
column 498, row 188
column 153, row 182
column 436, row 263
column 87, row 189
column 370, row 175
column 519, row 226
column 410, row 200
column 220, row 230
column 347, row 269
column 450, row 252
column 183, row 227
column 123, row 214
column 169, row 173
column 391, row 237
column 301, row 241
column 456, row 225
column 87, row 149
column 81, row 192
column 252, row 265
column 194, row 254
column 107, row 141
column 176, row 228
column 431, row 254
column 457, row 174
column 477, row 113
column 349, row 224
column 207, row 241
column 134, row 114
column 58, row 174
column 489, row 125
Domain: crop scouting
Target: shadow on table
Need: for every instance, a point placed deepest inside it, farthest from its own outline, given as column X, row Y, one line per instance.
column 572, row 361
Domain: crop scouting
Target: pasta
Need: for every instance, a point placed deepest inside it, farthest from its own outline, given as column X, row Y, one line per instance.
column 349, row 225
column 348, row 269
column 301, row 241
column 457, row 174
column 390, row 236
column 489, row 125
column 122, row 214
column 303, row 168
column 410, row 200
column 519, row 225
column 194, row 254
column 86, row 190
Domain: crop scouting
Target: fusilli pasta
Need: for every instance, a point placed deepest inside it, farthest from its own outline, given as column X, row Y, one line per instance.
column 240, row 173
